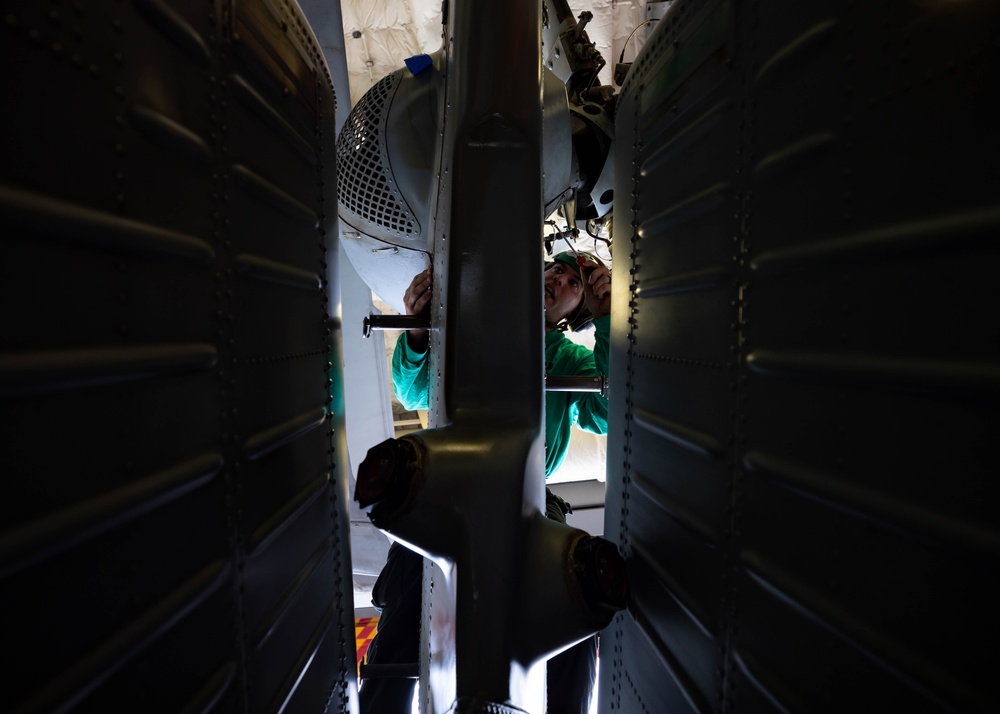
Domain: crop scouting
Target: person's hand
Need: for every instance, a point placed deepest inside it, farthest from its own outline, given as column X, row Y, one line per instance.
column 416, row 300
column 418, row 295
column 597, row 291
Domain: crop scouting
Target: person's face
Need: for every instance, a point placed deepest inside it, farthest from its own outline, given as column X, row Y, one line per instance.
column 563, row 291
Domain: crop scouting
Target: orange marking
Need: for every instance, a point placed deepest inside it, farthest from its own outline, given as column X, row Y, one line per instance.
column 364, row 631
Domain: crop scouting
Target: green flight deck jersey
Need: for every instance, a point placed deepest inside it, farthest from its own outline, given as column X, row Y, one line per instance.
column 563, row 357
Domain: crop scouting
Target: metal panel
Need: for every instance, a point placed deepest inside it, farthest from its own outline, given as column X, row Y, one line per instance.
column 805, row 360
column 490, row 147
column 173, row 519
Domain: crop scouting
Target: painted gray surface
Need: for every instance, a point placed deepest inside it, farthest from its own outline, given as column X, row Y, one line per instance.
column 805, row 361
column 173, row 534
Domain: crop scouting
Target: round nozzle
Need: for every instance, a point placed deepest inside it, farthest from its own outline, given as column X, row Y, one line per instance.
column 384, row 475
column 602, row 574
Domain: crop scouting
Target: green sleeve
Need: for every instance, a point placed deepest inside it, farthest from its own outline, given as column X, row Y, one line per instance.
column 410, row 375
column 592, row 408
column 588, row 410
column 602, row 344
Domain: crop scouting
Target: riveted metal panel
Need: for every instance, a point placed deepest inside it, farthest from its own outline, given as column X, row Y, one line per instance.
column 173, row 519
column 806, row 359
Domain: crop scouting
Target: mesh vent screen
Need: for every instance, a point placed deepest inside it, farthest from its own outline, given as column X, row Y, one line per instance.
column 365, row 186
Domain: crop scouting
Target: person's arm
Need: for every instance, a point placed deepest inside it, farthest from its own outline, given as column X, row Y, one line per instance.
column 597, row 291
column 410, row 369
column 416, row 300
column 410, row 375
column 602, row 344
column 592, row 408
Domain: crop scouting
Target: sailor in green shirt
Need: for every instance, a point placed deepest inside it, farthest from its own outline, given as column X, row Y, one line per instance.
column 577, row 291
column 566, row 283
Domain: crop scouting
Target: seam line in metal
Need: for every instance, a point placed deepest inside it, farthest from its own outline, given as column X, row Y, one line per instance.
column 948, row 234
column 74, row 684
column 797, row 47
column 693, row 281
column 693, row 440
column 206, row 698
column 677, row 511
column 71, row 527
column 874, row 507
column 301, row 666
column 268, row 531
column 170, row 134
column 255, row 186
column 892, row 657
column 756, row 676
column 682, row 597
column 923, row 375
column 253, row 101
column 273, row 618
column 687, row 136
column 794, row 155
column 30, row 373
column 670, row 662
column 35, row 214
column 176, row 29
column 687, row 208
column 266, row 441
column 258, row 268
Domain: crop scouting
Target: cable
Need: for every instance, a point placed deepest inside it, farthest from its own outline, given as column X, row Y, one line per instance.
column 593, row 78
column 595, row 236
column 621, row 58
column 599, row 226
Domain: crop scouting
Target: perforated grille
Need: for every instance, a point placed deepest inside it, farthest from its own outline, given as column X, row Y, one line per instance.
column 365, row 186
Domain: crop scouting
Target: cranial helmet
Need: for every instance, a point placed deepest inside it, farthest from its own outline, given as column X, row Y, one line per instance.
column 582, row 262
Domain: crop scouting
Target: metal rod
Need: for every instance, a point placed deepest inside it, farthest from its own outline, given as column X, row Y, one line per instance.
column 396, row 322
column 394, row 671
column 562, row 383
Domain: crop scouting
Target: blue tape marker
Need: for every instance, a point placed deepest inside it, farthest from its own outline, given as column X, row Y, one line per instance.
column 418, row 63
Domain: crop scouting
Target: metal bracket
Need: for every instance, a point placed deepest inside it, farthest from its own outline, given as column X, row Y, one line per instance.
column 396, row 322
column 563, row 383
column 409, row 670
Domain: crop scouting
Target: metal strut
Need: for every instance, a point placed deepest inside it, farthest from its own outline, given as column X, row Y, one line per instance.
column 565, row 383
